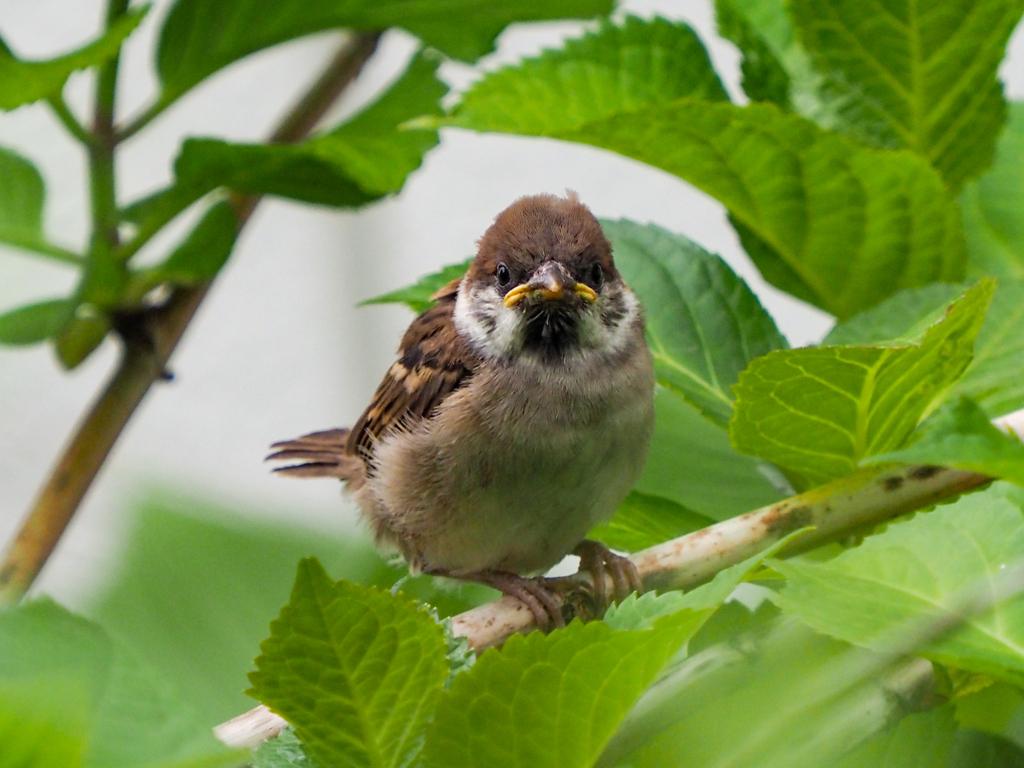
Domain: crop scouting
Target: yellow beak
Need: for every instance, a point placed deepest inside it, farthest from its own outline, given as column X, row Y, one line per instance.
column 550, row 282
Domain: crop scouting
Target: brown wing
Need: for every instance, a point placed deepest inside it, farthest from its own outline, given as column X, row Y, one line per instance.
column 433, row 362
column 322, row 454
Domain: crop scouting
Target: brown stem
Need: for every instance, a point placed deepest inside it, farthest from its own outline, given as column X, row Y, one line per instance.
column 149, row 339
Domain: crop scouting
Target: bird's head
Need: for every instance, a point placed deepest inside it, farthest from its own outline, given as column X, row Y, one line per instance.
column 544, row 284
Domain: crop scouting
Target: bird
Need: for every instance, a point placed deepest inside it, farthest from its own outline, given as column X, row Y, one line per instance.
column 516, row 418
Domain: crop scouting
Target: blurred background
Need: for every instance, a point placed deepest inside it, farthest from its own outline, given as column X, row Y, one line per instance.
column 280, row 347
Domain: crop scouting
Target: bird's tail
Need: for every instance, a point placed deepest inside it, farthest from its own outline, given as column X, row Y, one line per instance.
column 320, row 454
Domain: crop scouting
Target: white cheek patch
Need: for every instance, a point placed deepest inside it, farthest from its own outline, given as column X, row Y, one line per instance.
column 482, row 317
column 610, row 338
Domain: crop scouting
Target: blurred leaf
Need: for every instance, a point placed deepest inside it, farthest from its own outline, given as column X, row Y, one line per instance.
column 933, row 739
column 911, row 572
column 200, row 256
column 993, row 220
column 201, row 36
column 640, row 612
column 549, row 700
column 643, row 520
column 355, row 670
column 818, row 411
column 764, row 78
column 33, row 323
column 417, row 296
column 899, row 320
column 831, row 221
column 991, row 709
column 704, row 325
column 21, row 201
column 128, row 715
column 224, row 576
column 960, row 435
column 794, row 700
column 83, row 331
column 920, row 76
column 355, row 163
column 616, row 69
column 691, row 462
column 22, row 82
column 44, row 724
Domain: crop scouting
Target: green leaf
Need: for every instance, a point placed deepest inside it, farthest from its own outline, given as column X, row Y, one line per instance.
column 993, row 220
column 21, row 201
column 112, row 709
column 691, row 462
column 912, row 572
column 33, row 323
column 899, row 320
column 818, row 411
column 223, row 574
column 200, row 256
column 994, row 379
column 201, row 36
column 764, row 78
column 933, row 739
column 641, row 612
column 284, row 751
column 549, row 700
column 355, row 670
column 417, row 296
column 615, row 70
column 960, row 435
column 360, row 161
column 704, row 325
column 829, row 220
column 643, row 520
column 22, row 82
column 920, row 76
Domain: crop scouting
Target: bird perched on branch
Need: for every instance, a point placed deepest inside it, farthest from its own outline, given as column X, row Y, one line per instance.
column 516, row 418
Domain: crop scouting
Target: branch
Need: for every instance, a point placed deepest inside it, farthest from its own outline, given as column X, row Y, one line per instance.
column 149, row 339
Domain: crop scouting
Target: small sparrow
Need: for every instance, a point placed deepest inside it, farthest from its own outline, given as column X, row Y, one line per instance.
column 517, row 416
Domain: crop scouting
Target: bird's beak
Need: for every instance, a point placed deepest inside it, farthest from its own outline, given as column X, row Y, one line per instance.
column 551, row 281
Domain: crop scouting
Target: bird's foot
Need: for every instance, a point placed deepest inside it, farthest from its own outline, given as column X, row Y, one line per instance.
column 539, row 595
column 598, row 560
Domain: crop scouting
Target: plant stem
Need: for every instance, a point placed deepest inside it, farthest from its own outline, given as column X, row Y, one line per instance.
column 64, row 114
column 149, row 339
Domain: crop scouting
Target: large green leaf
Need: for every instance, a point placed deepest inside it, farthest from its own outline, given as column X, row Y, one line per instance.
column 201, row 36
column 918, row 75
column 899, row 320
column 361, row 160
column 818, row 411
column 615, row 70
column 550, row 700
column 704, row 325
column 915, row 571
column 829, row 220
column 960, row 435
column 355, row 670
column 224, row 575
column 112, row 709
column 22, row 81
column 993, row 220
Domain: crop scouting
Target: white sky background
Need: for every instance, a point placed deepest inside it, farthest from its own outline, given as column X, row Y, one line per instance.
column 279, row 347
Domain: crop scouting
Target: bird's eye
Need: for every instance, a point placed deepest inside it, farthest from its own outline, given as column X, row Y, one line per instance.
column 595, row 276
column 503, row 275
